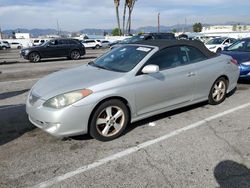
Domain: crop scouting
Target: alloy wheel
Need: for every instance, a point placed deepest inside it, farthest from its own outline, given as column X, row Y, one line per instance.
column 110, row 121
column 219, row 90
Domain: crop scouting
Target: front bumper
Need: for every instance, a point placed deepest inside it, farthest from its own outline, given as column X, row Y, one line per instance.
column 68, row 121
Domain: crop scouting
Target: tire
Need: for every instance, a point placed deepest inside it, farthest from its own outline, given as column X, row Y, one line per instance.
column 4, row 48
column 19, row 47
column 97, row 47
column 218, row 91
column 218, row 50
column 109, row 120
column 34, row 57
column 75, row 54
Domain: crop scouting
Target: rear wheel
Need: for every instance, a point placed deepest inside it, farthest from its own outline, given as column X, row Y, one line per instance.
column 75, row 54
column 97, row 47
column 218, row 91
column 34, row 57
column 4, row 48
column 109, row 120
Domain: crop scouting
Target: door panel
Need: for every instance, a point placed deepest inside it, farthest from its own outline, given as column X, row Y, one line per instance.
column 164, row 89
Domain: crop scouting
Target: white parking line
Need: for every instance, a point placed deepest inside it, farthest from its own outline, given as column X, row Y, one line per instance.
column 16, row 81
column 131, row 150
column 11, row 106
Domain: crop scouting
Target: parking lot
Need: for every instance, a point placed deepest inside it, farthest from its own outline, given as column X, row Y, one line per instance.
column 196, row 146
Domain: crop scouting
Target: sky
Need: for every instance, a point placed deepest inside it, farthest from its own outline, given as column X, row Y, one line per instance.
column 74, row 15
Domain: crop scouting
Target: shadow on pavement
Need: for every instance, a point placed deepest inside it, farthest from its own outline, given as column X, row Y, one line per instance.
column 12, row 94
column 230, row 174
column 13, row 123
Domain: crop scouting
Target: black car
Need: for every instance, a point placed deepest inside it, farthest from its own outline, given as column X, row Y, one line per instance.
column 70, row 48
column 142, row 37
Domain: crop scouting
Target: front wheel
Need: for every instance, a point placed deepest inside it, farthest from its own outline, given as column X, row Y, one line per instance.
column 218, row 91
column 34, row 57
column 75, row 54
column 109, row 120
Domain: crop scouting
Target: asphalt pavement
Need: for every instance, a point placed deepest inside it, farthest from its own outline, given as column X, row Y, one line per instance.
column 196, row 146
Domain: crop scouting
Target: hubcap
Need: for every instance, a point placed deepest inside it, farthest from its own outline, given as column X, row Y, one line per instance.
column 75, row 55
column 219, row 91
column 110, row 121
column 35, row 57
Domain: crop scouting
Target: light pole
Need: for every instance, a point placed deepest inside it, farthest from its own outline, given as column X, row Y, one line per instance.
column 158, row 22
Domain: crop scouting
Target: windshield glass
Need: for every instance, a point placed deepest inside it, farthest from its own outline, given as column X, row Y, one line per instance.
column 132, row 39
column 237, row 46
column 216, row 41
column 122, row 59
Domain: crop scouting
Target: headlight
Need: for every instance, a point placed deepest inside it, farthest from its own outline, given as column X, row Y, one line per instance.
column 66, row 99
column 246, row 63
column 26, row 52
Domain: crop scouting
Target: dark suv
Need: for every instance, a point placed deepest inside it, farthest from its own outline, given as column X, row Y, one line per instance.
column 70, row 48
column 145, row 36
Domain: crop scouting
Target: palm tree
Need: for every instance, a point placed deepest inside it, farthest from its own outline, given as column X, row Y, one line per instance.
column 124, row 15
column 130, row 4
column 117, row 3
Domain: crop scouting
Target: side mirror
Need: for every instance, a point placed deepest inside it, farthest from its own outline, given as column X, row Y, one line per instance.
column 148, row 69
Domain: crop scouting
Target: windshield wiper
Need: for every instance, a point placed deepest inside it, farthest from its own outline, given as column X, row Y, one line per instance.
column 99, row 66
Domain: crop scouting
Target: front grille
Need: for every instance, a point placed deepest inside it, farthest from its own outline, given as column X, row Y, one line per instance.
column 33, row 98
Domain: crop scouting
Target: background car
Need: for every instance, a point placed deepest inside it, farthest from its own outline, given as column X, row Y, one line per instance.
column 240, row 51
column 4, row 44
column 16, row 45
column 105, row 43
column 70, row 48
column 217, row 44
column 38, row 42
column 128, row 84
column 142, row 37
column 92, row 43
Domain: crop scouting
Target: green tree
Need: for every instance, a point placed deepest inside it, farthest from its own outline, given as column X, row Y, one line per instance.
column 117, row 4
column 174, row 30
column 116, row 32
column 197, row 27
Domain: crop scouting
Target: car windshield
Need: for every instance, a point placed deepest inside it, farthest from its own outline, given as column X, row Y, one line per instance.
column 216, row 41
column 237, row 46
column 122, row 59
column 132, row 39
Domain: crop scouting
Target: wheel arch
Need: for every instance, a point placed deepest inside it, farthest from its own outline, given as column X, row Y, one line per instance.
column 122, row 99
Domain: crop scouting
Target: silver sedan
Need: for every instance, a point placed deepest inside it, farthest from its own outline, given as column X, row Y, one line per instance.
column 128, row 84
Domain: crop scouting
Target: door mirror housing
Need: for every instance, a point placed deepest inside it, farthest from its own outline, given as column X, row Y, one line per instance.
column 149, row 69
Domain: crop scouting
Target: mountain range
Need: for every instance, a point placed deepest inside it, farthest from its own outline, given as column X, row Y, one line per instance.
column 92, row 31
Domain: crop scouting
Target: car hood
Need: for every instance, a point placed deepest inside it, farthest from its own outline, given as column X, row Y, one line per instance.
column 239, row 56
column 73, row 79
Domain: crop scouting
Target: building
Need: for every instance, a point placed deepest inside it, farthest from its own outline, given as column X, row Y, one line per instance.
column 22, row 35
column 226, row 28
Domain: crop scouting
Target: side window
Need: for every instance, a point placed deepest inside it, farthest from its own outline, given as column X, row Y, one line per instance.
column 247, row 49
column 194, row 54
column 226, row 41
column 166, row 58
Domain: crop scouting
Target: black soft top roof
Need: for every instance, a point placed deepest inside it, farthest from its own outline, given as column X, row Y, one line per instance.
column 161, row 44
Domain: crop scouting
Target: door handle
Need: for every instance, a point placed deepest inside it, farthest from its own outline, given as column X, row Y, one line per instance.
column 190, row 74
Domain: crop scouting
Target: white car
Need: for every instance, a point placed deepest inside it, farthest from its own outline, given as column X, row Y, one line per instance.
column 38, row 42
column 105, row 43
column 217, row 44
column 92, row 43
column 16, row 45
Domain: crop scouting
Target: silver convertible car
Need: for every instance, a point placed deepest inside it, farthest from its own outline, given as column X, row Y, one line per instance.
column 128, row 84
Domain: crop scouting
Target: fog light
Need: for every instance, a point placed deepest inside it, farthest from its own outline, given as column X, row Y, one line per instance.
column 51, row 127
